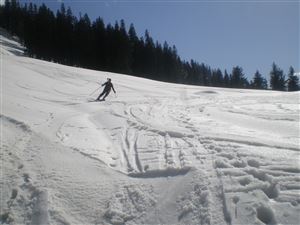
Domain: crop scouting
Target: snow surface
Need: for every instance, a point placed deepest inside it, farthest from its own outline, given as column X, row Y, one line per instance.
column 155, row 153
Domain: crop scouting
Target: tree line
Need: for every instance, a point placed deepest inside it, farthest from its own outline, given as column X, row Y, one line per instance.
column 66, row 39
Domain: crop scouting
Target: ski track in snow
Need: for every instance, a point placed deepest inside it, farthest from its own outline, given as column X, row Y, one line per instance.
column 156, row 154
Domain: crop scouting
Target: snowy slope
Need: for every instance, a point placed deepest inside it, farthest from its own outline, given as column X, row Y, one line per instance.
column 155, row 153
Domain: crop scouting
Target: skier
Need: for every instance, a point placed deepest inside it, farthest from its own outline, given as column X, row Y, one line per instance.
column 108, row 86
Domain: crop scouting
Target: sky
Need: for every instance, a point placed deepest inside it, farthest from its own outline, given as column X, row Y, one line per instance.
column 221, row 33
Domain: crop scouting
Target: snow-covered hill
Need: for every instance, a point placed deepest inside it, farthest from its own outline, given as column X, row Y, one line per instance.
column 155, row 153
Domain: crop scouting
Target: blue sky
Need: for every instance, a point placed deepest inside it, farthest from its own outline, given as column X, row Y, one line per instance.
column 251, row 34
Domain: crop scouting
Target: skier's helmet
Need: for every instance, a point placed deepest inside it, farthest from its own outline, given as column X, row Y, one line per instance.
column 108, row 79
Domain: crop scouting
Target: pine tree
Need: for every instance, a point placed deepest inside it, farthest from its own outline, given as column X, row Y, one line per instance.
column 238, row 79
column 100, row 44
column 277, row 78
column 149, row 57
column 293, row 81
column 258, row 82
column 217, row 78
column 226, row 79
column 136, row 49
column 124, row 49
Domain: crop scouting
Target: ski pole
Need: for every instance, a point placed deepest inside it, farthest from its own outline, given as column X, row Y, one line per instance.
column 95, row 90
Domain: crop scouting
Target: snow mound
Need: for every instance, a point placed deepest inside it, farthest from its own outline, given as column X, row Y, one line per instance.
column 10, row 45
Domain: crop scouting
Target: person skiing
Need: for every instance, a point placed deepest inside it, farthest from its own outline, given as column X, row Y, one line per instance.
column 108, row 86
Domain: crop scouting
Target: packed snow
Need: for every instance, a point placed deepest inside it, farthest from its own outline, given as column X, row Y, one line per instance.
column 154, row 153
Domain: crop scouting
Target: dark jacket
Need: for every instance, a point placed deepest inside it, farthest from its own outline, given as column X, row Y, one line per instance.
column 108, row 86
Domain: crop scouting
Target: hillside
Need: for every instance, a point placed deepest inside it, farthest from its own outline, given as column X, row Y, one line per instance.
column 154, row 153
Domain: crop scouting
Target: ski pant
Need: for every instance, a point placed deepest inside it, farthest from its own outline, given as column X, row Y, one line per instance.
column 105, row 93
